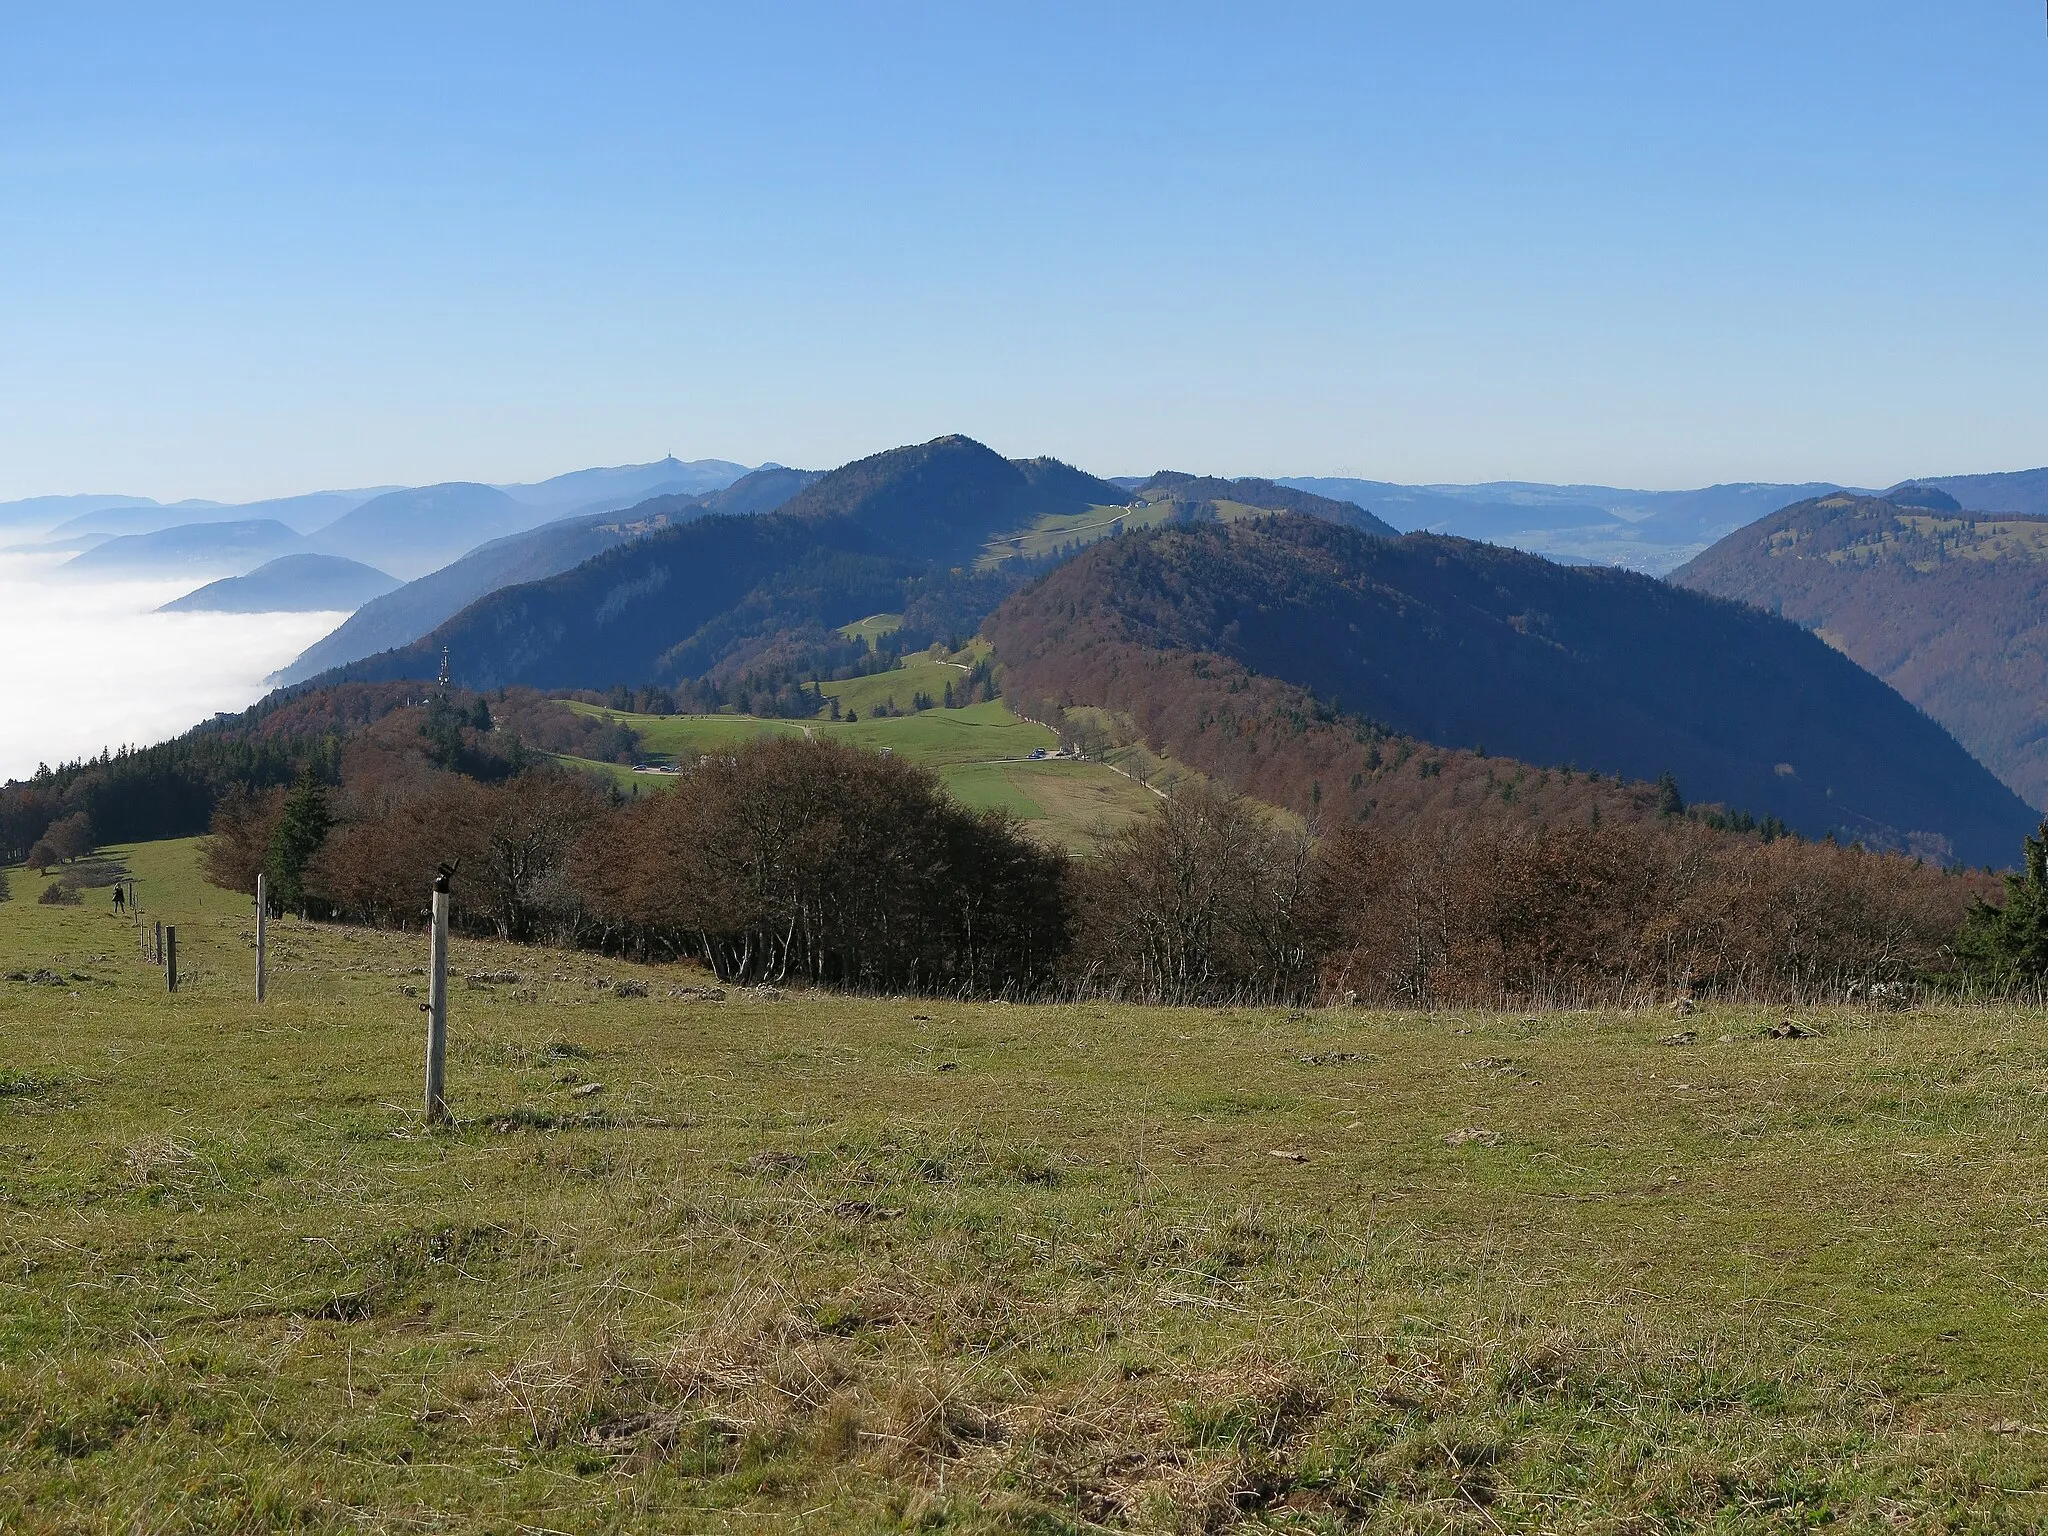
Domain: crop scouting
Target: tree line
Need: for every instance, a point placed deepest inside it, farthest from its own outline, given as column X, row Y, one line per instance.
column 795, row 860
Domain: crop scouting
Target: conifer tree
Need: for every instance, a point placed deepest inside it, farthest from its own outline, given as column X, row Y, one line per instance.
column 2006, row 947
column 300, row 832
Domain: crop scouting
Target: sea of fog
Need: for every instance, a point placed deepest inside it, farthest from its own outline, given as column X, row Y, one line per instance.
column 90, row 664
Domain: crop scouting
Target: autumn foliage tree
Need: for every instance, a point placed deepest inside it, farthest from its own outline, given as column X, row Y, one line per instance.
column 1498, row 914
column 244, row 821
column 1211, row 898
column 794, row 859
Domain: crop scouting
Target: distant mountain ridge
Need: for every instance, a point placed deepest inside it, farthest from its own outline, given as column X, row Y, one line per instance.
column 875, row 535
column 78, row 521
column 413, row 610
column 1468, row 645
column 414, row 531
column 1648, row 531
column 306, row 583
column 229, row 548
column 2024, row 490
column 1949, row 607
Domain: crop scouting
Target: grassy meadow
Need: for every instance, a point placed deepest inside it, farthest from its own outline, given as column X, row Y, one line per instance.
column 981, row 752
column 1049, row 534
column 817, row 1263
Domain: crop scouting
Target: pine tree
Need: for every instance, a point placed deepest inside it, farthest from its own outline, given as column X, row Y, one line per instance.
column 1669, row 801
column 2006, row 947
column 300, row 832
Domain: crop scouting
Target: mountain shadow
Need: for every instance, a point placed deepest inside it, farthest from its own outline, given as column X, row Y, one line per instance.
column 1949, row 607
column 1477, row 647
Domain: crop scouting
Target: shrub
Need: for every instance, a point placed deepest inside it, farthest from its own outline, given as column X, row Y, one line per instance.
column 790, row 858
column 58, row 894
column 243, row 824
column 1209, row 899
column 1495, row 914
column 71, row 837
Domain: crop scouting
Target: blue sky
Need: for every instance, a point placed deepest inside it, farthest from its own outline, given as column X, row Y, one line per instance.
column 253, row 251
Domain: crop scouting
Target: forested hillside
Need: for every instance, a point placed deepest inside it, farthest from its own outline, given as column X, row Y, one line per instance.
column 884, row 534
column 1474, row 647
column 1948, row 606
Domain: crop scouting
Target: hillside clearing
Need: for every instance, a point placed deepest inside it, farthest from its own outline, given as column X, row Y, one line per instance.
column 982, row 754
column 864, row 1264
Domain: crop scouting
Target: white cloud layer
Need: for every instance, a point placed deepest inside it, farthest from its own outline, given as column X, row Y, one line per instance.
column 86, row 665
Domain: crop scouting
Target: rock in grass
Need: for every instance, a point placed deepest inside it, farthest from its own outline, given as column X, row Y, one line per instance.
column 1473, row 1134
column 586, row 1090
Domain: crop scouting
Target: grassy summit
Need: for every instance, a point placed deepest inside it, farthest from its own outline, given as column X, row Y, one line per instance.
column 850, row 1264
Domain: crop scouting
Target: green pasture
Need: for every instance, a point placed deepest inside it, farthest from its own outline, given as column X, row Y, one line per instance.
column 807, row 1262
column 873, row 627
column 1049, row 533
column 981, row 754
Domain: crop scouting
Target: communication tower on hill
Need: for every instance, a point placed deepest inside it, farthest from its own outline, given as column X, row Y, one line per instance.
column 444, row 669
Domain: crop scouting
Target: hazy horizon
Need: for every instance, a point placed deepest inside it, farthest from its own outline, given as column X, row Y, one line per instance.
column 288, row 489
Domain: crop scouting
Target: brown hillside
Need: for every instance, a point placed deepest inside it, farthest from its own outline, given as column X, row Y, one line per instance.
column 1276, row 741
column 1268, row 626
column 1947, row 606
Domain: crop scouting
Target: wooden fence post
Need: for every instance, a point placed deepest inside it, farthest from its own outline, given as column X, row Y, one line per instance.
column 437, row 1004
column 171, row 956
column 157, row 952
column 262, row 937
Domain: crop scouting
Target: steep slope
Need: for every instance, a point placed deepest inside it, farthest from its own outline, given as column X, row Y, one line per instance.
column 412, row 532
column 877, row 535
column 403, row 616
column 1949, row 607
column 1469, row 645
column 214, row 548
column 289, row 584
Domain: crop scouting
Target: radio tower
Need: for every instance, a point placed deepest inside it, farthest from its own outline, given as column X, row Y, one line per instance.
column 444, row 669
